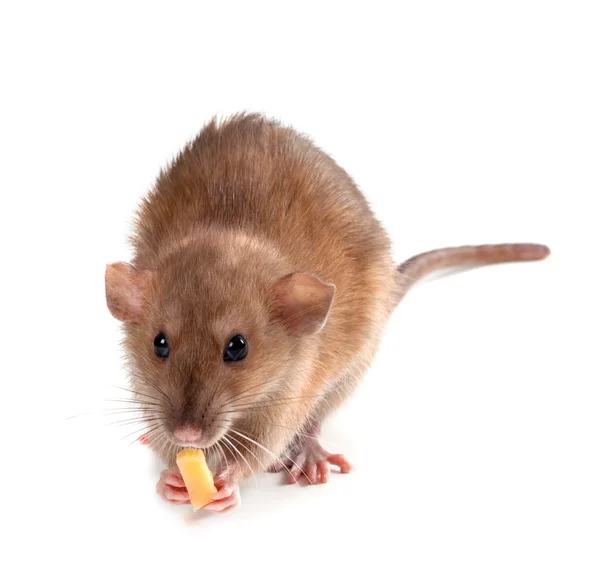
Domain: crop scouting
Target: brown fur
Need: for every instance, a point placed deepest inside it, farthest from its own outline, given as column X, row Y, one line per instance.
column 253, row 230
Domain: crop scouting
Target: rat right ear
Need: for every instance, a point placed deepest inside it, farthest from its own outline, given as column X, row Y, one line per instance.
column 125, row 291
column 303, row 302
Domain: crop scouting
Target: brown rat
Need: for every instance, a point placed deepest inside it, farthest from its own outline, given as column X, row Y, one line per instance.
column 256, row 299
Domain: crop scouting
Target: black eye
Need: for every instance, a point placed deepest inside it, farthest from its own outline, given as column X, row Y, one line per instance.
column 236, row 349
column 161, row 346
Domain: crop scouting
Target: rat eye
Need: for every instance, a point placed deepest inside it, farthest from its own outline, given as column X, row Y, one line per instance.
column 161, row 346
column 236, row 349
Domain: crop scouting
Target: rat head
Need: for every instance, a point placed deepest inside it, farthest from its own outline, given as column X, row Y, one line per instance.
column 212, row 341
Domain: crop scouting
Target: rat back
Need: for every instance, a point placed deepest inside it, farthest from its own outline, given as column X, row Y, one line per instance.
column 254, row 176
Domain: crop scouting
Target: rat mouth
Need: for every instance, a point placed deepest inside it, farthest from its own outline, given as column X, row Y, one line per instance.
column 181, row 445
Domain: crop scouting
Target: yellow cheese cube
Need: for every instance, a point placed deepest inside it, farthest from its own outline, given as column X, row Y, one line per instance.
column 197, row 477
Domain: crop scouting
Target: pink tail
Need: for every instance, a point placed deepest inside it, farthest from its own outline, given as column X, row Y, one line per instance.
column 421, row 265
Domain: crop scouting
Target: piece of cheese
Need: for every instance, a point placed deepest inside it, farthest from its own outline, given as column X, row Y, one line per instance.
column 197, row 477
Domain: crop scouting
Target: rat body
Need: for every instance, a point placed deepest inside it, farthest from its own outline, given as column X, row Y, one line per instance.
column 259, row 289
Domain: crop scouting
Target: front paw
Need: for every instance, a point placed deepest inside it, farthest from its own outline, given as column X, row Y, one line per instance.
column 171, row 488
column 227, row 496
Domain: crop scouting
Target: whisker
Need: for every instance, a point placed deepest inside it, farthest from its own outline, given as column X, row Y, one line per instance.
column 139, row 430
column 165, row 445
column 245, row 461
column 296, row 431
column 160, row 439
column 237, row 397
column 135, row 421
column 151, row 384
column 223, row 454
column 107, row 412
column 133, row 402
column 137, row 393
column 268, row 401
column 128, row 410
column 258, row 385
column 163, row 394
column 217, row 457
column 233, row 454
column 218, row 393
column 272, row 454
column 265, row 404
column 80, row 415
column 248, row 450
column 261, row 384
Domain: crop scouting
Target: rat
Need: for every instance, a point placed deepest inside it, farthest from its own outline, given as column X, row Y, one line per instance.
column 255, row 301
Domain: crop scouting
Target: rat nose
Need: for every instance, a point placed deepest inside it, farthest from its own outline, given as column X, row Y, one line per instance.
column 188, row 435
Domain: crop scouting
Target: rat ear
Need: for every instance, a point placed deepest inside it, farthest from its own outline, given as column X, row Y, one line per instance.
column 125, row 289
column 303, row 302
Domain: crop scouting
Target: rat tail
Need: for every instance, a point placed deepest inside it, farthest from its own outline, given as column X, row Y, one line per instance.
column 421, row 265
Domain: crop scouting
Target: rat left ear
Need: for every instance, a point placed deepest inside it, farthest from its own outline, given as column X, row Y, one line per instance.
column 125, row 291
column 303, row 303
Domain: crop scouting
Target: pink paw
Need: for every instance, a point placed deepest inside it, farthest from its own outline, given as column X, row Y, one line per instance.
column 171, row 488
column 314, row 467
column 227, row 497
column 311, row 462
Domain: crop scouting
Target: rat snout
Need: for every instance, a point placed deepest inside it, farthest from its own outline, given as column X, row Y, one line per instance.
column 188, row 435
column 195, row 422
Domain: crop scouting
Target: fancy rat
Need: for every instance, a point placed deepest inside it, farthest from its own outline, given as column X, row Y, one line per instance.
column 260, row 286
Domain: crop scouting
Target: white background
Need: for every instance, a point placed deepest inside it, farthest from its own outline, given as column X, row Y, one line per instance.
column 476, row 434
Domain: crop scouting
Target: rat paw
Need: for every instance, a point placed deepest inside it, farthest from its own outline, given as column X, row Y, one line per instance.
column 312, row 462
column 171, row 488
column 227, row 496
